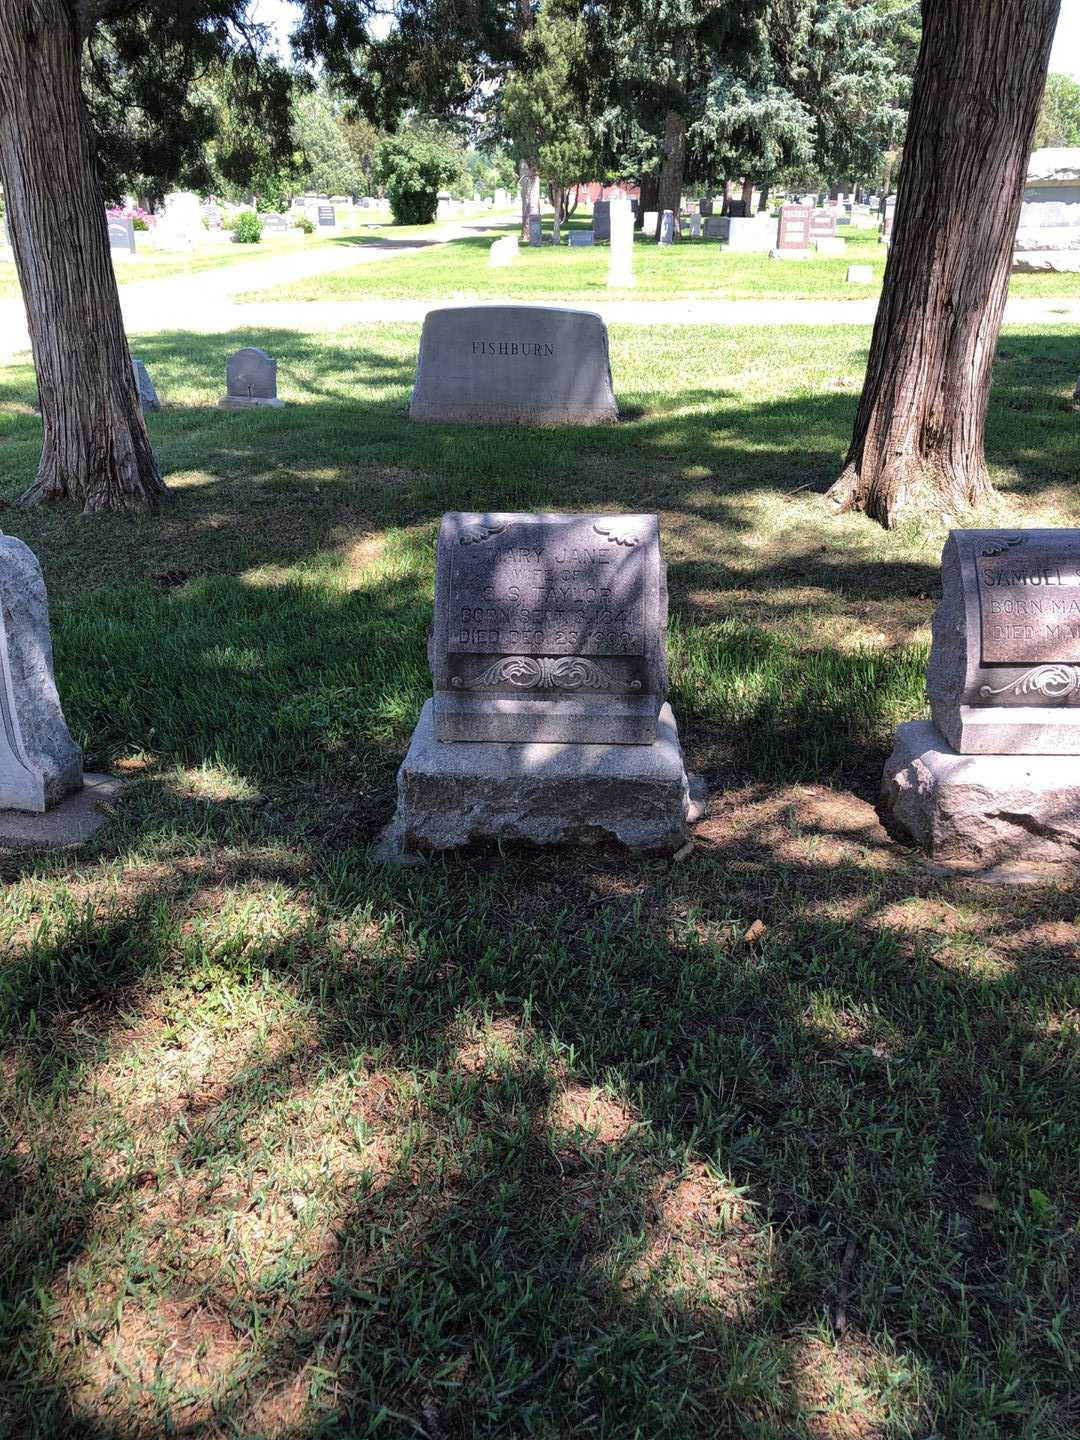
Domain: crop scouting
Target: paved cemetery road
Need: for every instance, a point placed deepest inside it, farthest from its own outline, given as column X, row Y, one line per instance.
column 204, row 301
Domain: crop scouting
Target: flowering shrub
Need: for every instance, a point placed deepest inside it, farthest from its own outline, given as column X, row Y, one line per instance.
column 140, row 219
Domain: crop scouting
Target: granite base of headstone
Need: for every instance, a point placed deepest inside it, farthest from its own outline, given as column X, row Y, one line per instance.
column 250, row 381
column 148, row 396
column 40, row 764
column 994, row 776
column 513, row 365
column 549, row 724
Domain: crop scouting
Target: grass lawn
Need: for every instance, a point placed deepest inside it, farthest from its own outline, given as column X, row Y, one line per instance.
column 783, row 1141
column 694, row 269
column 150, row 264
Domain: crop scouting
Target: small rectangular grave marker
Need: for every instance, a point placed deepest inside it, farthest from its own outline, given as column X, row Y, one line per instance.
column 250, row 380
column 327, row 216
column 581, row 237
column 122, row 235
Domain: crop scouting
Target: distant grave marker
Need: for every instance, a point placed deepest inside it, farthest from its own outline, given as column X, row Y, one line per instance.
column 250, row 380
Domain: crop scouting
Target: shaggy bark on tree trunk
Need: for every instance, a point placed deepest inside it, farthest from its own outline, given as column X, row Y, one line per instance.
column 672, row 169
column 529, row 187
column 557, row 203
column 919, row 429
column 748, row 195
column 95, row 447
column 648, row 194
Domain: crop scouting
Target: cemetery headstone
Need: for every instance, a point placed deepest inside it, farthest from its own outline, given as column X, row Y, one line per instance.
column 442, row 204
column 793, row 229
column 250, row 381
column 984, row 782
column 122, row 236
column 648, row 223
column 717, row 227
column 581, row 237
column 823, row 224
column 513, row 365
column 549, row 722
column 667, row 228
column 737, row 209
column 148, row 396
column 754, row 234
column 39, row 762
column 536, row 230
column 503, row 252
column 274, row 222
column 601, row 219
column 181, row 225
column 705, row 209
column 695, row 227
column 888, row 219
column 327, row 217
column 620, row 274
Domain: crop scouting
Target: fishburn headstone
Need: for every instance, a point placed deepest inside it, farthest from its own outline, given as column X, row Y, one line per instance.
column 39, row 761
column 984, row 781
column 122, row 235
column 549, row 722
column 513, row 365
column 793, row 229
column 250, row 380
column 148, row 396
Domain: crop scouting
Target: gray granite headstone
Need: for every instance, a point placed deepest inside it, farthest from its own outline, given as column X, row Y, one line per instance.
column 667, row 228
column 250, row 380
column 326, row 216
column 513, row 365
column 717, row 227
column 823, row 224
column 549, row 627
column 1004, row 673
column 148, row 396
column 39, row 761
column 753, row 234
column 582, row 237
column 695, row 226
column 122, row 236
column 536, row 230
column 273, row 221
column 549, row 723
column 601, row 219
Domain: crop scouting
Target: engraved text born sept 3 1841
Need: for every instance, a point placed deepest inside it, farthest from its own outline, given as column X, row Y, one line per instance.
column 581, row 597
column 1029, row 605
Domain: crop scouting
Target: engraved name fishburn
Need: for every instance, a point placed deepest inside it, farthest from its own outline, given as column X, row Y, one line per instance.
column 1029, row 608
column 558, row 600
column 512, row 347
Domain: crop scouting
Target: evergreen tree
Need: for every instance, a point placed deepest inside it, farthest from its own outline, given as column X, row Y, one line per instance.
column 541, row 112
column 1059, row 117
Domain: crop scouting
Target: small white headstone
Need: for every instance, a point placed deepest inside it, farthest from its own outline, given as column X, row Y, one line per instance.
column 621, row 254
column 667, row 228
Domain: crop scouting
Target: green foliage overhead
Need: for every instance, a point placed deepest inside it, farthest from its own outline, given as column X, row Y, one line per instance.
column 414, row 165
column 544, row 118
column 1059, row 118
column 328, row 163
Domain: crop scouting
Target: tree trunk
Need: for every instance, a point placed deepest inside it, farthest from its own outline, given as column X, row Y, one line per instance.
column 95, row 446
column 921, row 419
column 672, row 169
column 648, row 196
column 725, row 208
column 748, row 194
column 529, row 186
column 763, row 199
column 557, row 194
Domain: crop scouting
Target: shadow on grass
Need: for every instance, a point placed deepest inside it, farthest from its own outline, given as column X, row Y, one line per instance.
column 595, row 1164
